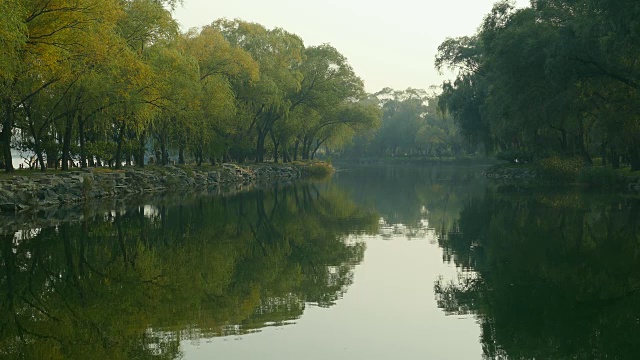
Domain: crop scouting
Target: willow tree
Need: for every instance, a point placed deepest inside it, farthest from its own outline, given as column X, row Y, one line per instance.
column 214, row 124
column 345, row 119
column 556, row 78
column 138, row 96
column 176, row 81
column 279, row 54
column 51, row 35
column 329, row 86
column 12, row 39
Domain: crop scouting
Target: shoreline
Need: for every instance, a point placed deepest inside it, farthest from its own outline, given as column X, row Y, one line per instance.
column 35, row 191
column 614, row 180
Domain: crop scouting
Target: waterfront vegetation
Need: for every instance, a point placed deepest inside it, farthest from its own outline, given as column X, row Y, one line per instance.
column 114, row 82
column 539, row 271
column 555, row 83
column 89, row 82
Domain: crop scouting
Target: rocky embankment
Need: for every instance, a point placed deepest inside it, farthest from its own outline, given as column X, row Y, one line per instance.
column 46, row 190
column 509, row 174
column 528, row 176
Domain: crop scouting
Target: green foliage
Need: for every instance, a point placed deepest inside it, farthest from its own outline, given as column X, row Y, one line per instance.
column 411, row 125
column 319, row 169
column 554, row 78
column 122, row 80
column 559, row 170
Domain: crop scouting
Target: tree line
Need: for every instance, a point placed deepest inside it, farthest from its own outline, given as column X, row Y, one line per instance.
column 110, row 81
column 412, row 125
column 559, row 78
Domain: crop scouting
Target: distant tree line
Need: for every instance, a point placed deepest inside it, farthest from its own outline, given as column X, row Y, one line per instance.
column 412, row 126
column 96, row 82
column 559, row 78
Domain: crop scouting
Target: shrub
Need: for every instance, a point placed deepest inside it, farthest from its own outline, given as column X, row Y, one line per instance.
column 319, row 169
column 559, row 170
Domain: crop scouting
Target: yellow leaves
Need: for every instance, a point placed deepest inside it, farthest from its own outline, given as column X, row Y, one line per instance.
column 12, row 36
column 217, row 57
column 62, row 30
column 146, row 22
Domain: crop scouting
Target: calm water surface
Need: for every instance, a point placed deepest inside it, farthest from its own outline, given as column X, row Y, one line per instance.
column 377, row 263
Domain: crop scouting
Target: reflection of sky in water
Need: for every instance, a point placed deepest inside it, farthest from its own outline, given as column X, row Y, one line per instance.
column 151, row 211
column 389, row 312
column 385, row 304
column 419, row 231
column 403, row 297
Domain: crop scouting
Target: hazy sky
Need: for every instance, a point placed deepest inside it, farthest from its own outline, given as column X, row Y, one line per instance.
column 391, row 43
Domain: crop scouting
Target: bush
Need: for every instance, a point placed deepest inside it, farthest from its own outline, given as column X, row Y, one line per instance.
column 559, row 170
column 600, row 176
column 319, row 169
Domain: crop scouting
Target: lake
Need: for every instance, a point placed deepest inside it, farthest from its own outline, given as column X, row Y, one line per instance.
column 378, row 262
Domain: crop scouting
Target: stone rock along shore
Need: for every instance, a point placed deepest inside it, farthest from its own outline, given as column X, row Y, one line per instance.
column 38, row 191
column 510, row 174
column 527, row 176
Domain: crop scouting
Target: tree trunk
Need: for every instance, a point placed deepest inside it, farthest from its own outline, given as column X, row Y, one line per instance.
column 295, row 150
column 260, row 146
column 275, row 152
column 82, row 138
column 5, row 135
column 37, row 147
column 66, row 141
column 276, row 144
column 581, row 145
column 318, row 144
column 285, row 154
column 306, row 148
column 39, row 155
column 118, row 157
column 614, row 158
column 181, row 155
column 164, row 153
column 141, row 147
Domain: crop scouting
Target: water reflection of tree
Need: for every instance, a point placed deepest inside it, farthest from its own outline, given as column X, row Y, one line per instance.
column 127, row 286
column 407, row 195
column 551, row 276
